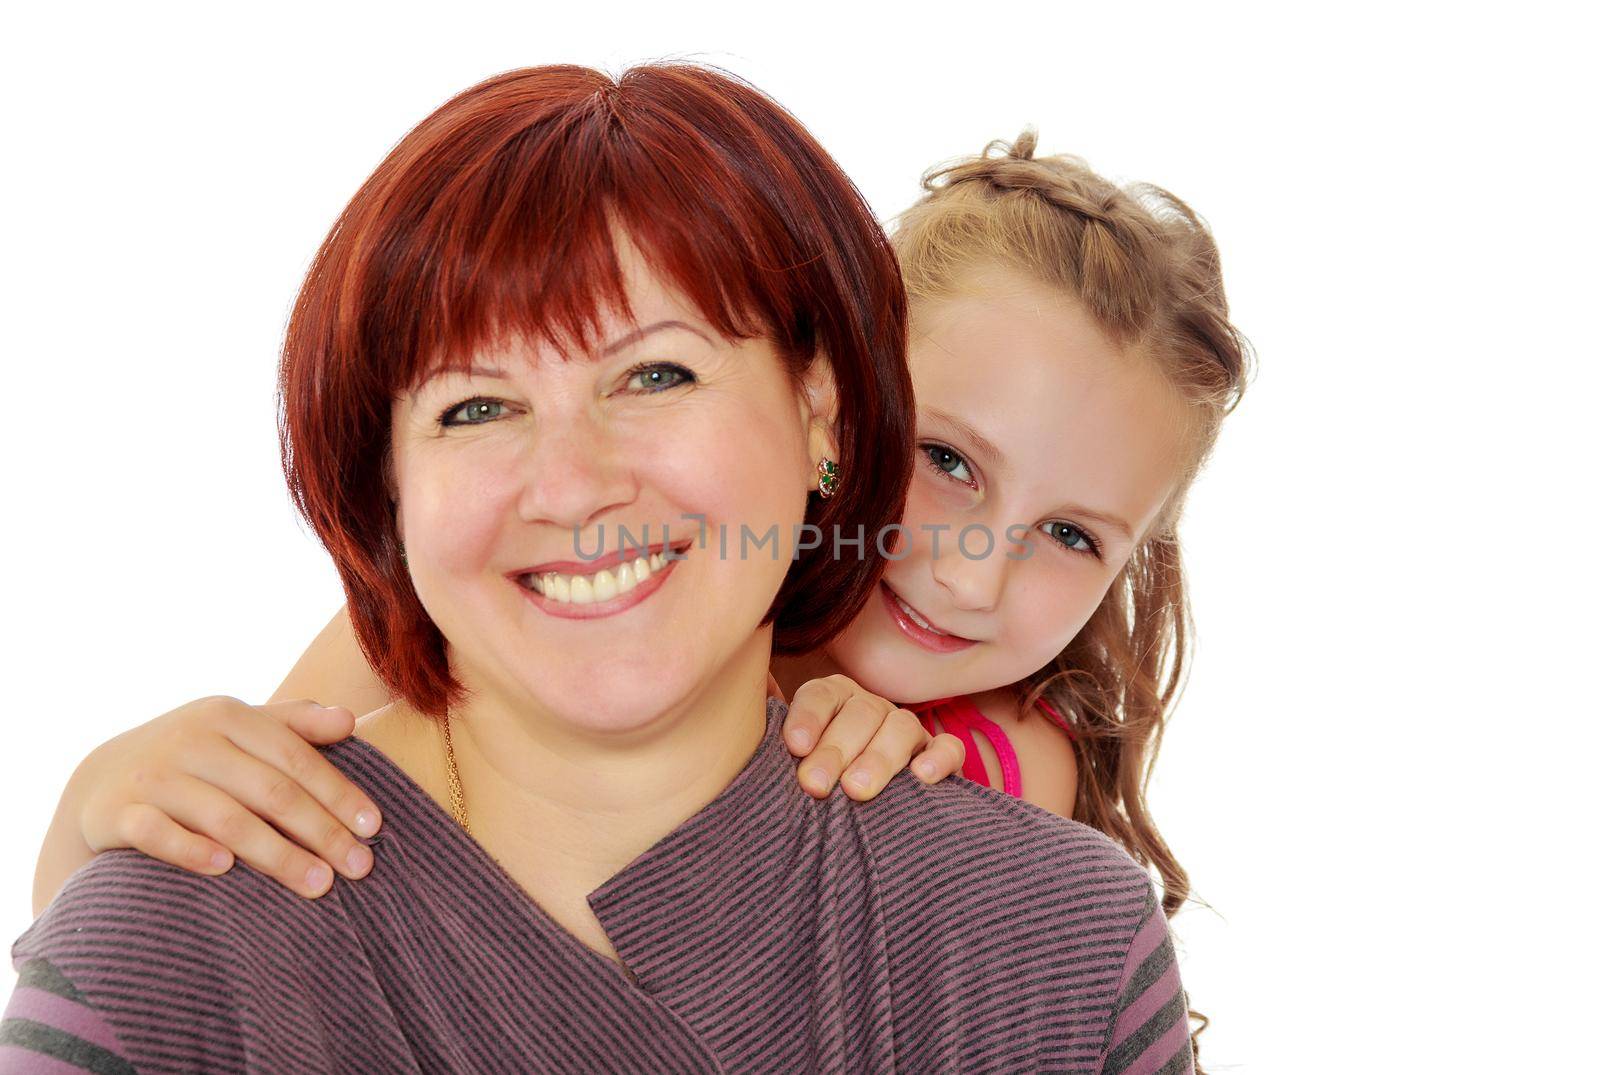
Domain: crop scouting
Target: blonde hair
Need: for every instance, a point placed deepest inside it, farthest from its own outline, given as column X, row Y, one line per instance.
column 1146, row 268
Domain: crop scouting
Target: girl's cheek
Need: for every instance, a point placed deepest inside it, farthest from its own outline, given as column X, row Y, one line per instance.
column 1045, row 613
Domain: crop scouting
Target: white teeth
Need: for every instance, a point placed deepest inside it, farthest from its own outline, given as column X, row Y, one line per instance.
column 603, row 585
column 916, row 619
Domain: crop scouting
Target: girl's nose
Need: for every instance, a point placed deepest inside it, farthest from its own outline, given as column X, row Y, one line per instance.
column 972, row 571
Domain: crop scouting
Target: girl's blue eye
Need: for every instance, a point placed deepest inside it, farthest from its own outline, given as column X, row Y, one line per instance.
column 477, row 411
column 659, row 376
column 1073, row 538
column 948, row 462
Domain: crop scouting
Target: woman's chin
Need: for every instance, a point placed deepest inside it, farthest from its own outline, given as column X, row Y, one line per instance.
column 622, row 704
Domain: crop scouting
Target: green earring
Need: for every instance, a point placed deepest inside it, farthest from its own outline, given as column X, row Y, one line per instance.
column 828, row 472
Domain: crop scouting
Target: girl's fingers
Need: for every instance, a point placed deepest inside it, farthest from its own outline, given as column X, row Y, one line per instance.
column 942, row 757
column 900, row 738
column 208, row 810
column 281, row 798
column 146, row 829
column 816, row 702
column 846, row 737
column 280, row 747
column 812, row 708
column 312, row 722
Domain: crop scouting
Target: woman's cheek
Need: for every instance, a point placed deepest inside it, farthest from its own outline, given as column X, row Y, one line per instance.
column 455, row 518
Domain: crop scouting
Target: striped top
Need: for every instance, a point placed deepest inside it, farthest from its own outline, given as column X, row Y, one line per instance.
column 941, row 927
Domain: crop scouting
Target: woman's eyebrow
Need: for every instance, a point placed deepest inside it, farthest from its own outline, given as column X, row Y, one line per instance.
column 638, row 334
column 477, row 369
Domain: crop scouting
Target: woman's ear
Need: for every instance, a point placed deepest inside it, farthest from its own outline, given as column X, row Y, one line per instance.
column 819, row 403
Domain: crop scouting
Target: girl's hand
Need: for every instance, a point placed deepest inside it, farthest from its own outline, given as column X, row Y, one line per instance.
column 833, row 723
column 198, row 785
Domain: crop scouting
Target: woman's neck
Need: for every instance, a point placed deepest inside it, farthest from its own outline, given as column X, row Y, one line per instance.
column 564, row 812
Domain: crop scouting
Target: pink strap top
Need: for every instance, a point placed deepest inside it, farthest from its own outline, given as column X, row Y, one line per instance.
column 959, row 716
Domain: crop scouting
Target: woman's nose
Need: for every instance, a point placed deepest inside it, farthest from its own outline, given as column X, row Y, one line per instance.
column 574, row 472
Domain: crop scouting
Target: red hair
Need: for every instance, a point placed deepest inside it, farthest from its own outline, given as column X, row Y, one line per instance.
column 497, row 216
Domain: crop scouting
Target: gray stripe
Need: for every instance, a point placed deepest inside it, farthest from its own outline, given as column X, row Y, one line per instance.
column 43, row 974
column 1140, row 1040
column 68, row 1048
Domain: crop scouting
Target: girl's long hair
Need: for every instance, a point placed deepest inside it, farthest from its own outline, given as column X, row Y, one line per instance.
column 1147, row 269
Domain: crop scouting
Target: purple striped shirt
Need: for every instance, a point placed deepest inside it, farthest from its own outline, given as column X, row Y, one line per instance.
column 936, row 928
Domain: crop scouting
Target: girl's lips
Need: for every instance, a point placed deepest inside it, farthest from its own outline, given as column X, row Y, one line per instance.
column 597, row 609
column 935, row 641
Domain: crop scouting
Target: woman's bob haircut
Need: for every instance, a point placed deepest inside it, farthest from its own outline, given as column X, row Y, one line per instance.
column 497, row 217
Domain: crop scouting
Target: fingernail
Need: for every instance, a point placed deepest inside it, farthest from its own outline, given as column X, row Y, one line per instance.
column 366, row 823
column 924, row 769
column 359, row 860
column 220, row 860
column 318, row 878
column 818, row 776
column 857, row 780
column 801, row 739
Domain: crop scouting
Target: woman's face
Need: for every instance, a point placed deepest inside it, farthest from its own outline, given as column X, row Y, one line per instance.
column 496, row 470
column 1032, row 427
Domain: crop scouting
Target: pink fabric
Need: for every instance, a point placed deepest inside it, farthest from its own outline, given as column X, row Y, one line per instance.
column 960, row 717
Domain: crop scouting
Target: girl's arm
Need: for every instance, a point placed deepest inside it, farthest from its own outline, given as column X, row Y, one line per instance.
column 197, row 786
column 335, row 671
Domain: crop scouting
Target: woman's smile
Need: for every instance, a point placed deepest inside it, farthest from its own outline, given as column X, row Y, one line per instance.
column 606, row 586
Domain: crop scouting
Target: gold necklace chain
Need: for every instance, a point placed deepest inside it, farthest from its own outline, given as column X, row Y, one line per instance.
column 458, row 799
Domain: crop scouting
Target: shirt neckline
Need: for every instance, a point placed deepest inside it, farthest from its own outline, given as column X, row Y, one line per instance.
column 700, row 840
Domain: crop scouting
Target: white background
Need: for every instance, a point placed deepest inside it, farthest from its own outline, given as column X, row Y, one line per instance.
column 1380, row 774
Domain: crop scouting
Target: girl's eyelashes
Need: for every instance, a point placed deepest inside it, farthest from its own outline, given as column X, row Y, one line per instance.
column 948, row 463
column 652, row 377
column 1073, row 538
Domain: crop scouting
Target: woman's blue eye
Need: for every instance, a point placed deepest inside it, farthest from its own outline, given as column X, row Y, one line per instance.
column 948, row 462
column 659, row 376
column 477, row 411
column 1072, row 537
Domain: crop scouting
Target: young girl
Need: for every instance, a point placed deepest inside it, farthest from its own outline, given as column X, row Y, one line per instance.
column 1072, row 360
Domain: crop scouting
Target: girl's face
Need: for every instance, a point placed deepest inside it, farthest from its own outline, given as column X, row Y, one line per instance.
column 499, row 471
column 1034, row 428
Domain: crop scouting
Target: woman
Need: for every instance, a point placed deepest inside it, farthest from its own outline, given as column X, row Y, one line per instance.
column 539, row 317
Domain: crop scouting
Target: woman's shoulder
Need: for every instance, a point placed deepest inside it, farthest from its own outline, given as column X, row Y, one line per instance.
column 148, row 947
column 977, row 822
column 1022, row 912
column 124, row 905
column 937, row 843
